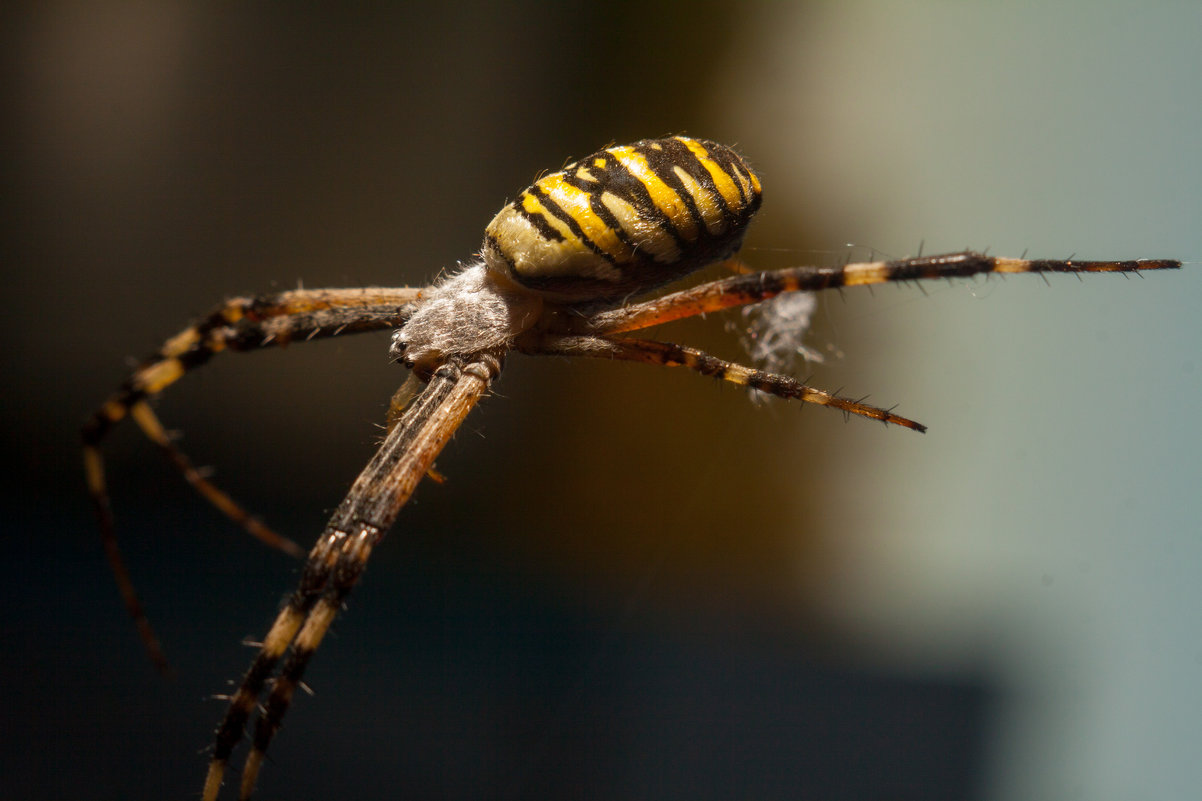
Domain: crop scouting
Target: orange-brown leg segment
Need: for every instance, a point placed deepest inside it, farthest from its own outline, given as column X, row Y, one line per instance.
column 741, row 290
column 668, row 354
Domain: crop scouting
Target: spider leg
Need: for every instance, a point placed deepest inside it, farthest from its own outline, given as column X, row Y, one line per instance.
column 341, row 554
column 275, row 644
column 741, row 290
column 240, row 324
column 148, row 421
column 668, row 354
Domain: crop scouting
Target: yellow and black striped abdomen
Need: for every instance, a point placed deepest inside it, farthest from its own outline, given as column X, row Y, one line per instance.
column 626, row 219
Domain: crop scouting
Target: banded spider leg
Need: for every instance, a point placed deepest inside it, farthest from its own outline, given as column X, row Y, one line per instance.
column 240, row 324
column 340, row 555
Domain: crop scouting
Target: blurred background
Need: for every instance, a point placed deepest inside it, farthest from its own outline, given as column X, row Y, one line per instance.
column 635, row 583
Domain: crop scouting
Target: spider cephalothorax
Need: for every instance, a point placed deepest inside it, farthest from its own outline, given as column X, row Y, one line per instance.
column 557, row 268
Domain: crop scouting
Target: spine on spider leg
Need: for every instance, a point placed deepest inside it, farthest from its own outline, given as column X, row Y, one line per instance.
column 338, row 560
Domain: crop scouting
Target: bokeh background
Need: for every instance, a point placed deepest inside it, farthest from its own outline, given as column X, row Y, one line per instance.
column 635, row 584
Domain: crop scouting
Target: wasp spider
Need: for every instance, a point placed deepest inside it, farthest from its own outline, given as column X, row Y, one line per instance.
column 556, row 274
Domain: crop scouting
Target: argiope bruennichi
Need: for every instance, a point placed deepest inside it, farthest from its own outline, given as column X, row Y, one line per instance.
column 556, row 275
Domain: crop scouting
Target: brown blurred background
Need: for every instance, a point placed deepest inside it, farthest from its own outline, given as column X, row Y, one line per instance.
column 635, row 583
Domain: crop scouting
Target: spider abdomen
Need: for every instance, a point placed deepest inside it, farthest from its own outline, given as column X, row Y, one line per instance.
column 625, row 219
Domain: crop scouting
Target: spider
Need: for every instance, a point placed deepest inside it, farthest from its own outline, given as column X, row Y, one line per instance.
column 555, row 276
